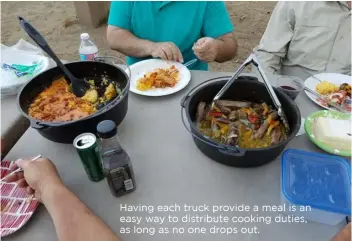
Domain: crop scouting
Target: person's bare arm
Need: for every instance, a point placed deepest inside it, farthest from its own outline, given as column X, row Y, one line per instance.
column 274, row 44
column 125, row 42
column 72, row 219
column 227, row 48
column 344, row 234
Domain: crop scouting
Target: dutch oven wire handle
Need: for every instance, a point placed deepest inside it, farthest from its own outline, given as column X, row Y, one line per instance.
column 103, row 58
column 221, row 148
column 35, row 124
column 128, row 72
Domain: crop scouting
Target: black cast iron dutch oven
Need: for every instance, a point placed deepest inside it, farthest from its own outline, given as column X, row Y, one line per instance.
column 65, row 132
column 244, row 88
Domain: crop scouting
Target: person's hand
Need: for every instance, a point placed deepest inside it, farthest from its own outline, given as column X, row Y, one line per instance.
column 206, row 49
column 166, row 51
column 37, row 176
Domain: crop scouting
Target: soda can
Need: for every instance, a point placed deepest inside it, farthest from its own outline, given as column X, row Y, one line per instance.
column 88, row 151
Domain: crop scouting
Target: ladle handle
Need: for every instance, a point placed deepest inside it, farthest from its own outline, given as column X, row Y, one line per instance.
column 41, row 42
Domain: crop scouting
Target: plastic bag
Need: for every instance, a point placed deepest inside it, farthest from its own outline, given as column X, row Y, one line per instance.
column 19, row 64
column 26, row 46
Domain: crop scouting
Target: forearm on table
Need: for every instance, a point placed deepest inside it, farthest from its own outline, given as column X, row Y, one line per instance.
column 72, row 219
column 344, row 234
column 227, row 48
column 125, row 42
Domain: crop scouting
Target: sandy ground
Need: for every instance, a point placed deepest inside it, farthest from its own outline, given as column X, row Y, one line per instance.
column 51, row 18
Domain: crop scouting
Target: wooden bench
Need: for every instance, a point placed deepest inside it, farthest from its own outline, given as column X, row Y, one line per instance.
column 92, row 14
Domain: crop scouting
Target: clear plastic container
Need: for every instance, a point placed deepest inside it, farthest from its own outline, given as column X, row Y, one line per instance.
column 317, row 180
column 87, row 50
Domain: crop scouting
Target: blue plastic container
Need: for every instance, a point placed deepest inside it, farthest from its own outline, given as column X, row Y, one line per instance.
column 320, row 181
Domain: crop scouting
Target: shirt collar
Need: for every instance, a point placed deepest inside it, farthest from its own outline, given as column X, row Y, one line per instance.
column 163, row 4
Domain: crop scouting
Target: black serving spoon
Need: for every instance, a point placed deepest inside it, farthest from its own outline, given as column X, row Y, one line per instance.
column 79, row 86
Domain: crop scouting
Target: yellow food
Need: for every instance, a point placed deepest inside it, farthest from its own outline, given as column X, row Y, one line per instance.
column 160, row 78
column 110, row 92
column 91, row 96
column 326, row 87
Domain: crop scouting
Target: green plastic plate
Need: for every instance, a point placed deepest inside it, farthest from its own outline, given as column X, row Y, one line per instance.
column 309, row 122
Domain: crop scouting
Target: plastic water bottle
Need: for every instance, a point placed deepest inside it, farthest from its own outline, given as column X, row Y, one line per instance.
column 87, row 50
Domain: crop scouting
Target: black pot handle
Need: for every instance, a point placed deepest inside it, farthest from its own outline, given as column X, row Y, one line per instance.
column 184, row 99
column 222, row 149
column 232, row 152
column 38, row 126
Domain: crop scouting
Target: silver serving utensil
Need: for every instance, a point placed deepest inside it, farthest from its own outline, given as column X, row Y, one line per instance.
column 20, row 169
column 252, row 59
column 231, row 80
column 328, row 101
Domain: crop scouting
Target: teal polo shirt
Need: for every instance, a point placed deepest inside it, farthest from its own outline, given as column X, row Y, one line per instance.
column 182, row 23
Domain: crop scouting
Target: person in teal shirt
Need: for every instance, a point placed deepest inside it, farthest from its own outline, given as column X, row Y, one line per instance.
column 179, row 31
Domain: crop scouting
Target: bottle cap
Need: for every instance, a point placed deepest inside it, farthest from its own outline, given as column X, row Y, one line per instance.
column 84, row 36
column 106, row 129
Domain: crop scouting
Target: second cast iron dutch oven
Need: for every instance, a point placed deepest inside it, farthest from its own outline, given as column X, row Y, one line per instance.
column 244, row 88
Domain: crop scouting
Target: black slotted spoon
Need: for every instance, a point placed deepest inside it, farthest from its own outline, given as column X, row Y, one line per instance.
column 79, row 86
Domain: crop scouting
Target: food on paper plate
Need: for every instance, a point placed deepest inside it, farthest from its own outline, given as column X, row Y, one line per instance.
column 333, row 132
column 241, row 123
column 159, row 78
column 58, row 103
column 340, row 95
column 326, row 87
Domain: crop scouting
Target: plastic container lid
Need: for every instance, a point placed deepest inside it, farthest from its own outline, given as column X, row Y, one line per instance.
column 84, row 36
column 317, row 180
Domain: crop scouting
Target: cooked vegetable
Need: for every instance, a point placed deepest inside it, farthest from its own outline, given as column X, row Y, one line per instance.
column 346, row 87
column 214, row 113
column 245, row 126
column 266, row 108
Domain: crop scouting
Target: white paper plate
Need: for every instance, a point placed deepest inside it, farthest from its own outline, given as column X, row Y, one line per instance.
column 139, row 69
column 10, row 84
column 336, row 79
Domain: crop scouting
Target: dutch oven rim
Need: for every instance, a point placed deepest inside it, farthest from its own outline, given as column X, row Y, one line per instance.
column 38, row 124
column 197, row 134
